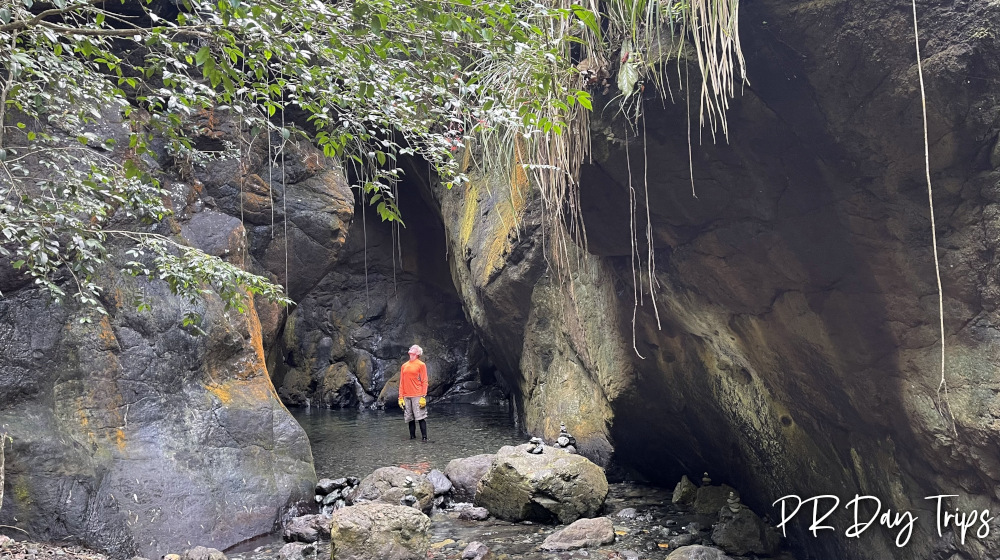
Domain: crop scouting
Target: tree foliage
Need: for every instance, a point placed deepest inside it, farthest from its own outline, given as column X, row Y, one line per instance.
column 374, row 79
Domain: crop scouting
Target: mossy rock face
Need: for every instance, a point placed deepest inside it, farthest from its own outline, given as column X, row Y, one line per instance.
column 379, row 530
column 553, row 486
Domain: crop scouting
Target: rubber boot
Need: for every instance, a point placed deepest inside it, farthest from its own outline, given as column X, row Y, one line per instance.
column 413, row 429
column 423, row 430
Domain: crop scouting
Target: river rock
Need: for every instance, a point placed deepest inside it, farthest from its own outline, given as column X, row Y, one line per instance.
column 326, row 485
column 465, row 475
column 684, row 539
column 685, row 492
column 554, row 485
column 627, row 513
column 392, row 484
column 582, row 533
column 202, row 553
column 474, row 514
column 742, row 532
column 697, row 552
column 379, row 530
column 440, row 481
column 297, row 551
column 307, row 528
column 476, row 551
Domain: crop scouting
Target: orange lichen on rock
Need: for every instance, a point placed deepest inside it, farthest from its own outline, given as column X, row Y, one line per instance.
column 509, row 214
column 221, row 392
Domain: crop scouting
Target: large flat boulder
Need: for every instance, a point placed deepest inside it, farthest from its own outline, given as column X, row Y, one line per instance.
column 551, row 486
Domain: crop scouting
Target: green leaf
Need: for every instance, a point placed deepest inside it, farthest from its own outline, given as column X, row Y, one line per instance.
column 17, row 264
column 5, row 15
column 203, row 54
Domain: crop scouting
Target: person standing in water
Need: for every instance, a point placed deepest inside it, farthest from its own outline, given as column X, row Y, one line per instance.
column 413, row 392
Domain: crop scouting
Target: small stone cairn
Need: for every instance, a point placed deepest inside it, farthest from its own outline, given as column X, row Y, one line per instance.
column 733, row 503
column 565, row 441
column 409, row 499
column 537, row 446
column 332, row 494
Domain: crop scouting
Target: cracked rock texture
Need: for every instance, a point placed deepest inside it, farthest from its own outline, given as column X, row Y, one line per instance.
column 134, row 434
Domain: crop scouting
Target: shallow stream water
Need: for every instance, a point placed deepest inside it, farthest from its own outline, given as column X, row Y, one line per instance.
column 353, row 442
column 356, row 442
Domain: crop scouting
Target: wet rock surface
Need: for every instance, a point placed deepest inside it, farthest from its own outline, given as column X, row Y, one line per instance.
column 645, row 536
column 392, row 484
column 548, row 485
column 379, row 530
column 465, row 474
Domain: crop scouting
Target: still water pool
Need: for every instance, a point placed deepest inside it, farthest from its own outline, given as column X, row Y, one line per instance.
column 353, row 442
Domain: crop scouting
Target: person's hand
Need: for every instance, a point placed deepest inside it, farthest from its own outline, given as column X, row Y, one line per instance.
column 423, row 402
column 401, row 403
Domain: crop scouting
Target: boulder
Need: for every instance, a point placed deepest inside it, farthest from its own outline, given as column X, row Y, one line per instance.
column 203, row 553
column 392, row 484
column 697, row 552
column 307, row 528
column 709, row 499
column 551, row 486
column 683, row 540
column 582, row 533
column 476, row 551
column 441, row 483
column 379, row 530
column 684, row 492
column 742, row 532
column 465, row 474
column 474, row 514
column 327, row 485
column 297, row 551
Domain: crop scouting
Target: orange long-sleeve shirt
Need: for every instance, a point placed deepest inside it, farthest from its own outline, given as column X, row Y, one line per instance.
column 413, row 379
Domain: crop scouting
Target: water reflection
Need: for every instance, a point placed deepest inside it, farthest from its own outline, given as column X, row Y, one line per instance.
column 353, row 442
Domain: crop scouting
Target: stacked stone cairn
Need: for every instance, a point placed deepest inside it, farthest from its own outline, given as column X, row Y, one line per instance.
column 733, row 503
column 409, row 499
column 565, row 441
column 332, row 494
column 537, row 446
column 737, row 531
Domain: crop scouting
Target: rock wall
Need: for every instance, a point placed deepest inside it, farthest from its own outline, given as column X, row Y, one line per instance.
column 134, row 434
column 794, row 347
column 564, row 358
column 344, row 342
